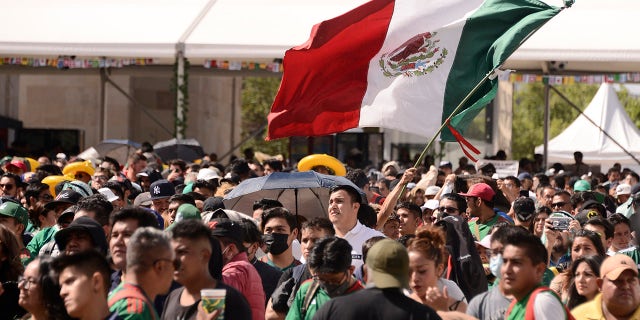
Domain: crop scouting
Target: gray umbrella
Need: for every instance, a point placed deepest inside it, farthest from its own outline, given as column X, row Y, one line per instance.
column 305, row 193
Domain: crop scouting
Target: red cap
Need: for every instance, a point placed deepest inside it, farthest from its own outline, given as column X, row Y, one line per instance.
column 480, row 190
column 18, row 164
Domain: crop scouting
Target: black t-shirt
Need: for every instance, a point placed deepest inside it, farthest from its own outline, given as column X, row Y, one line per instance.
column 236, row 306
column 269, row 276
column 374, row 304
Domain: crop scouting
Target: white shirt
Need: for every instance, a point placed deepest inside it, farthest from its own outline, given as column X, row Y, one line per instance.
column 356, row 237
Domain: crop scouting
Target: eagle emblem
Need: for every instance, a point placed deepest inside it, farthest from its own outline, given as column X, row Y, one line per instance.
column 415, row 57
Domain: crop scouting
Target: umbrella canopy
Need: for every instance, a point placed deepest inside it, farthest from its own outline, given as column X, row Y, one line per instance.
column 305, row 193
column 185, row 149
column 118, row 149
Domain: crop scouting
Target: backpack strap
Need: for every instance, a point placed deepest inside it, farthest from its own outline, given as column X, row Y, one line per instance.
column 308, row 297
column 129, row 291
column 529, row 313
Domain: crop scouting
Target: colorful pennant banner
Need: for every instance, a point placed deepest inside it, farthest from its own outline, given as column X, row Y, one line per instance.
column 71, row 63
column 242, row 65
column 588, row 79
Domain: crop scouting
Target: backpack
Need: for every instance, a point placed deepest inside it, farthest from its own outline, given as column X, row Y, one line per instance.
column 464, row 264
column 529, row 313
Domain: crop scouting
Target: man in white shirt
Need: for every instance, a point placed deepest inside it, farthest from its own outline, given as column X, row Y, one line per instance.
column 344, row 203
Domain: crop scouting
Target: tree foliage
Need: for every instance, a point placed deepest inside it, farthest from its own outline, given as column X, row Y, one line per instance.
column 257, row 96
column 528, row 112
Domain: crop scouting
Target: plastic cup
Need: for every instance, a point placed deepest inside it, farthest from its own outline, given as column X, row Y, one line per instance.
column 213, row 299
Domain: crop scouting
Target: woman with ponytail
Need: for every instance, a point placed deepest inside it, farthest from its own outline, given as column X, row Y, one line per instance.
column 426, row 265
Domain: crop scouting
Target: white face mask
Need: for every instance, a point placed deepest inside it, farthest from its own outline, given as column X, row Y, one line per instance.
column 495, row 264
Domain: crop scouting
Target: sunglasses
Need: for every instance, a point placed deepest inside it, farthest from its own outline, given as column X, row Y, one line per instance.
column 558, row 204
column 448, row 209
column 6, row 186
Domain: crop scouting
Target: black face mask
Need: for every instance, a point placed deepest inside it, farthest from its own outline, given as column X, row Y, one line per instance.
column 276, row 242
column 335, row 290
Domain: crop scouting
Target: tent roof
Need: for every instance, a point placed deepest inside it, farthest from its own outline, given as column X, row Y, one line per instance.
column 152, row 28
column 260, row 28
column 605, row 110
column 592, row 35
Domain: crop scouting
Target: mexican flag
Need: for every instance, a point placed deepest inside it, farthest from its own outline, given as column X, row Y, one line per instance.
column 403, row 64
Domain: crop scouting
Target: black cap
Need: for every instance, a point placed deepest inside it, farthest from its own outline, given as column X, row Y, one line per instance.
column 161, row 189
column 227, row 228
column 524, row 208
column 65, row 196
column 153, row 174
column 88, row 225
column 593, row 204
column 213, row 203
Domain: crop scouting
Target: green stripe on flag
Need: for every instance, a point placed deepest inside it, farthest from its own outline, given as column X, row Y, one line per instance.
column 489, row 37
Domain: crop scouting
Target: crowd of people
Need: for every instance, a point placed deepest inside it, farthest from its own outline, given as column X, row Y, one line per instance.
column 84, row 239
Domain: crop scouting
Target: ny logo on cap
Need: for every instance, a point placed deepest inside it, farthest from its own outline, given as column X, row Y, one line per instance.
column 63, row 195
column 156, row 190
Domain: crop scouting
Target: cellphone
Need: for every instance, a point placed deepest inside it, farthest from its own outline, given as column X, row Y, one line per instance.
column 560, row 223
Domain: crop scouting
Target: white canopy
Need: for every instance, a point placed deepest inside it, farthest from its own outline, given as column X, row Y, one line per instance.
column 606, row 111
column 153, row 28
column 590, row 36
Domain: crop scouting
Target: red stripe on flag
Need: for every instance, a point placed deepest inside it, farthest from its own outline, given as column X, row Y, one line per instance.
column 463, row 142
column 325, row 79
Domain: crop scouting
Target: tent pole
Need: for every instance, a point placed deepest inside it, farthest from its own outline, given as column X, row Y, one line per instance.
column 179, row 95
column 546, row 125
column 103, row 104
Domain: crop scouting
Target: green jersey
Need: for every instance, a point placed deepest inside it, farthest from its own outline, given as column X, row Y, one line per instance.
column 128, row 301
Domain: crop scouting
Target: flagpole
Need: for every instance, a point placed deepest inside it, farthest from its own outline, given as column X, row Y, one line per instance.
column 455, row 111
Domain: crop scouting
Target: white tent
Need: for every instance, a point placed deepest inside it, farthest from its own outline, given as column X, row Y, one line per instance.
column 217, row 29
column 590, row 36
column 607, row 112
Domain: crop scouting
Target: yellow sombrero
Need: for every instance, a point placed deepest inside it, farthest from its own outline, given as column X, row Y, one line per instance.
column 32, row 164
column 309, row 162
column 84, row 166
column 52, row 181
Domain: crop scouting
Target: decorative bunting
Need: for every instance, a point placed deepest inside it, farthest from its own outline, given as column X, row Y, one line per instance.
column 71, row 63
column 588, row 79
column 242, row 65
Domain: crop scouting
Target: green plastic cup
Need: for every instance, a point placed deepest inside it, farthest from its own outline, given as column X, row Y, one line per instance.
column 213, row 299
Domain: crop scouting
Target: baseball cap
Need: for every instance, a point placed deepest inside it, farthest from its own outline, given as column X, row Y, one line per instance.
column 613, row 266
column 18, row 164
column 431, row 190
column 88, row 225
column 207, row 174
column 445, row 163
column 65, row 196
column 623, row 189
column 480, row 190
column 213, row 203
column 161, row 189
column 582, row 185
column 143, row 199
column 388, row 262
column 524, row 175
column 430, row 204
column 485, row 242
column 107, row 193
column 14, row 210
column 187, row 211
column 524, row 208
column 227, row 228
column 153, row 174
